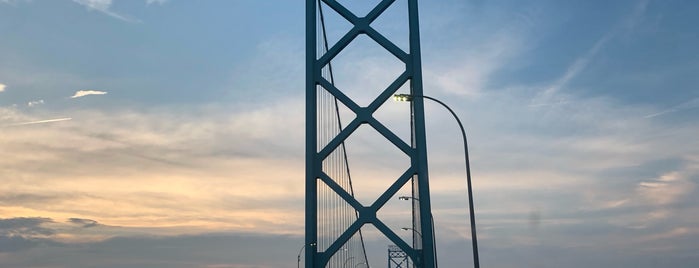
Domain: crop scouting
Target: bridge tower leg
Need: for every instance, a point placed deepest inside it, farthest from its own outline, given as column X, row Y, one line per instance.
column 422, row 251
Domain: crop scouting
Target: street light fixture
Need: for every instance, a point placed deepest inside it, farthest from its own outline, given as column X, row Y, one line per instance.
column 407, row 198
column 408, row 228
column 409, row 97
column 298, row 258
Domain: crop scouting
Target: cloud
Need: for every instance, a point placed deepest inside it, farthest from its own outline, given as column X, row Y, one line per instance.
column 467, row 72
column 578, row 65
column 82, row 93
column 39, row 122
column 668, row 188
column 13, row 2
column 95, row 4
column 691, row 104
column 581, row 63
column 234, row 250
column 2, row 87
column 16, row 243
column 35, row 103
column 31, row 241
column 104, row 7
column 90, row 164
column 85, row 223
column 25, row 227
column 593, row 160
column 160, row 2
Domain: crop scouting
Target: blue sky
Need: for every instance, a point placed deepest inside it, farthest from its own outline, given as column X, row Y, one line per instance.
column 170, row 133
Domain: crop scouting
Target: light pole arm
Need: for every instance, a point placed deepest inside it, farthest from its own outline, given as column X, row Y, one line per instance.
column 298, row 257
column 476, row 262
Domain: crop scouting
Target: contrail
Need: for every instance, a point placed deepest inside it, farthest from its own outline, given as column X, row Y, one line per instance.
column 39, row 122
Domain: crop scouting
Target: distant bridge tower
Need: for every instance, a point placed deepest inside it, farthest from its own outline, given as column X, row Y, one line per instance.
column 334, row 217
column 397, row 258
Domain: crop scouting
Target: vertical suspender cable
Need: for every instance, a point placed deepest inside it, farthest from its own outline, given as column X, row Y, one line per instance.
column 343, row 176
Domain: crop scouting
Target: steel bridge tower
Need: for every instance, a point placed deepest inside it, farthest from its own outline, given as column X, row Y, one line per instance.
column 328, row 184
column 397, row 258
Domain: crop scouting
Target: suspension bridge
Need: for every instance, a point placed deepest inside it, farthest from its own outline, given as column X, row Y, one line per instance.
column 335, row 217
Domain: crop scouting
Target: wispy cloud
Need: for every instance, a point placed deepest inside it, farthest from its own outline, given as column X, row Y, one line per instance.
column 2, row 87
column 578, row 65
column 691, row 104
column 581, row 63
column 192, row 141
column 12, row 2
column 35, row 103
column 104, row 7
column 470, row 70
column 666, row 189
column 39, row 122
column 83, row 93
column 160, row 2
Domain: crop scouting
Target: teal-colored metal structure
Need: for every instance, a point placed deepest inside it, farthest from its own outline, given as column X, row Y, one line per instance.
column 324, row 245
column 397, row 258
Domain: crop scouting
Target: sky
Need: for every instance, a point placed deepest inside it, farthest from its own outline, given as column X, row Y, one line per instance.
column 170, row 133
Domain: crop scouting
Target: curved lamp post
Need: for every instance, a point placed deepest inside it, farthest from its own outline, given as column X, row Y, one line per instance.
column 407, row 198
column 409, row 97
column 408, row 228
column 298, row 258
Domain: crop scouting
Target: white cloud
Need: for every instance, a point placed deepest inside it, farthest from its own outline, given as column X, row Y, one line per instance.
column 160, row 2
column 82, row 93
column 104, row 7
column 691, row 104
column 666, row 189
column 95, row 4
column 39, row 122
column 581, row 63
column 466, row 72
column 2, row 87
column 593, row 159
column 578, row 65
column 35, row 103
column 12, row 2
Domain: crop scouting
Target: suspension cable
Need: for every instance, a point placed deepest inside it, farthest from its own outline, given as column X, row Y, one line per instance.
column 337, row 166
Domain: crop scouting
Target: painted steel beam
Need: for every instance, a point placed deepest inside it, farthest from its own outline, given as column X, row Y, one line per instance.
column 422, row 255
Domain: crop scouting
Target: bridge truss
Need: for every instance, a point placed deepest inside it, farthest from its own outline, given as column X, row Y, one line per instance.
column 334, row 217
